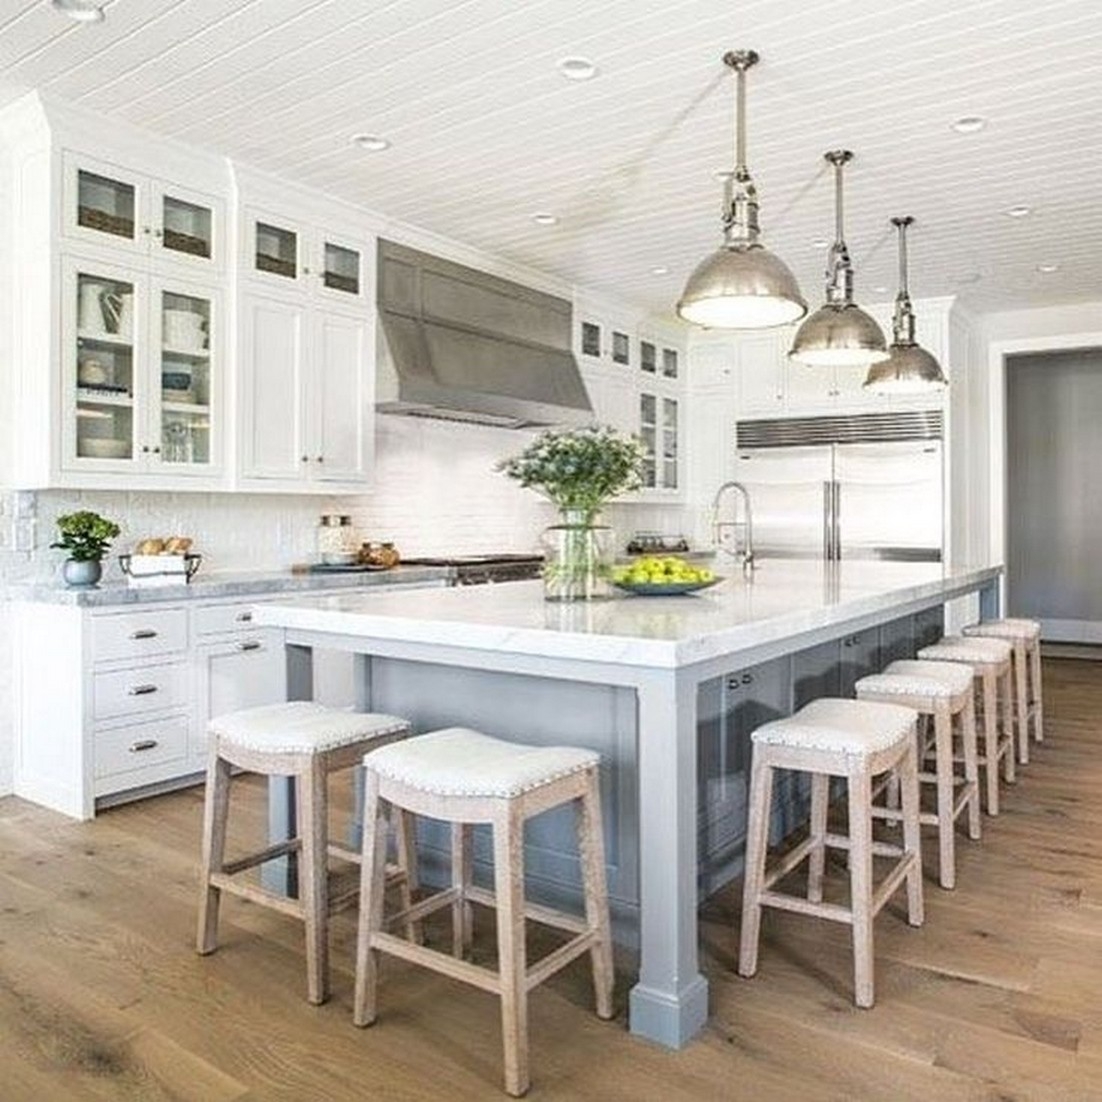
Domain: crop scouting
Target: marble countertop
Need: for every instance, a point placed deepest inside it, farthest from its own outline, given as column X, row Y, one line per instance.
column 784, row 598
column 215, row 586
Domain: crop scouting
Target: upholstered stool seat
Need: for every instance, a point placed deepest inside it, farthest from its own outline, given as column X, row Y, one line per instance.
column 1025, row 637
column 989, row 660
column 943, row 691
column 858, row 740
column 305, row 741
column 464, row 777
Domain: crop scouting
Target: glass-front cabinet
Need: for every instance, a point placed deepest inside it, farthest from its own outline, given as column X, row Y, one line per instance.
column 110, row 207
column 286, row 254
column 140, row 372
column 659, row 430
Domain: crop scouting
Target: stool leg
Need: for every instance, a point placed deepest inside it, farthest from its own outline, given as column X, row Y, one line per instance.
column 990, row 743
column 1006, row 695
column 405, row 830
column 372, row 891
column 971, row 767
column 860, row 878
column 820, row 790
column 757, row 843
column 1038, row 703
column 512, row 965
column 462, row 919
column 216, row 810
column 912, row 830
column 591, row 847
column 1021, row 700
column 946, row 822
column 313, row 828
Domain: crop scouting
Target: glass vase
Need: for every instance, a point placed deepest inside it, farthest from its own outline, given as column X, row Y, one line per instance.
column 577, row 558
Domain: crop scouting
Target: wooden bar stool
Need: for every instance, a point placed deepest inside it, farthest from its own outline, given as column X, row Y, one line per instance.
column 943, row 691
column 858, row 740
column 305, row 741
column 1025, row 637
column 990, row 663
column 463, row 777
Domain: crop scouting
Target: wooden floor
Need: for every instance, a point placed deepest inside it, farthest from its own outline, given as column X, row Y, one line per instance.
column 999, row 996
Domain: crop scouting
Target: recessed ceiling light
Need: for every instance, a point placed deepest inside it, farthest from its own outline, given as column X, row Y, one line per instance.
column 83, row 11
column 660, row 269
column 371, row 142
column 577, row 68
column 819, row 242
column 1048, row 269
column 544, row 218
column 969, row 124
column 1020, row 210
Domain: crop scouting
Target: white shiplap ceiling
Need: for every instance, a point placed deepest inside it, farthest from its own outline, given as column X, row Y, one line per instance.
column 484, row 131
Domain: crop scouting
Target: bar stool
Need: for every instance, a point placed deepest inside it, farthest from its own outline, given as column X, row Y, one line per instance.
column 1025, row 637
column 990, row 663
column 943, row 691
column 464, row 777
column 858, row 740
column 305, row 741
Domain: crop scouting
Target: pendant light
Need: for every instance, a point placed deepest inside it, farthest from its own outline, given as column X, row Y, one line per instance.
column 742, row 285
column 839, row 333
column 910, row 368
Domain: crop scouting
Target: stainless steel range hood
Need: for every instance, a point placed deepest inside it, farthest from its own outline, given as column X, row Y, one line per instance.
column 460, row 344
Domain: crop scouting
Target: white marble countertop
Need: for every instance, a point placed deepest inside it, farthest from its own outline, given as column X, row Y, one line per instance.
column 216, row 586
column 784, row 598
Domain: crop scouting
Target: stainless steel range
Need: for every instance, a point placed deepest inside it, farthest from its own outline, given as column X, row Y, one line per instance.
column 482, row 569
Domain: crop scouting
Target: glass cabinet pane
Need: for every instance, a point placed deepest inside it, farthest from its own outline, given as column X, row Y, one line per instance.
column 276, row 250
column 669, row 363
column 342, row 269
column 105, row 205
column 591, row 338
column 104, row 367
column 669, row 443
column 187, row 227
column 648, row 357
column 648, row 433
column 185, row 385
column 621, row 347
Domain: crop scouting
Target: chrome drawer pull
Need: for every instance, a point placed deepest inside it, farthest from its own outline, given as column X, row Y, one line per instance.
column 141, row 690
column 249, row 645
column 244, row 617
column 143, row 744
column 143, row 633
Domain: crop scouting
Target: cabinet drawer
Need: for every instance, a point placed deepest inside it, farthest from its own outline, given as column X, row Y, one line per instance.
column 147, row 688
column 139, row 634
column 140, row 753
column 218, row 619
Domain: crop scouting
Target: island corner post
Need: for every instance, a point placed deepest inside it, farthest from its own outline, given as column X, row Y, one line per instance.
column 669, row 1002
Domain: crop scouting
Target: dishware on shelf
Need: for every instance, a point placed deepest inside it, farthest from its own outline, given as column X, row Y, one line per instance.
column 91, row 372
column 178, row 442
column 90, row 313
column 118, row 311
column 665, row 589
column 103, row 447
column 183, row 330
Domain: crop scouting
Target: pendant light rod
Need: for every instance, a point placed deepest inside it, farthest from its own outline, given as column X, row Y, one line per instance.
column 740, row 61
column 740, row 197
column 839, row 287
column 903, row 320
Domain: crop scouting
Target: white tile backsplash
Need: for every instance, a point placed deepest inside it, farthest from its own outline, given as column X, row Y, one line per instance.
column 436, row 492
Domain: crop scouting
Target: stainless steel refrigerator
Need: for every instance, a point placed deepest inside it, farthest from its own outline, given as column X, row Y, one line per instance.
column 861, row 487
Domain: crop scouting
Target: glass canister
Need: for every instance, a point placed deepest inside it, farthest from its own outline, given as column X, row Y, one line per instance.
column 336, row 540
column 577, row 559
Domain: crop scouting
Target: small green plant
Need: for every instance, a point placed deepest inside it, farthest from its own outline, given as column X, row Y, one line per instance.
column 85, row 535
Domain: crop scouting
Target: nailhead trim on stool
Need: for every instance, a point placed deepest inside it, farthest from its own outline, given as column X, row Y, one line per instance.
column 843, row 738
column 464, row 777
column 307, row 742
column 1025, row 637
column 941, row 690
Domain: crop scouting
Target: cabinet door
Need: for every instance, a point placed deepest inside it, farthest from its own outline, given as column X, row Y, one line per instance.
column 338, row 270
column 341, row 399
column 761, row 374
column 102, row 347
column 274, row 250
column 670, row 444
column 272, row 380
column 105, row 205
column 186, row 383
column 648, row 433
column 188, row 227
column 810, row 387
column 240, row 673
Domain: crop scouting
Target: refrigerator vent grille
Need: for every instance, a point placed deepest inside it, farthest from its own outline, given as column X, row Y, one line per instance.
column 865, row 428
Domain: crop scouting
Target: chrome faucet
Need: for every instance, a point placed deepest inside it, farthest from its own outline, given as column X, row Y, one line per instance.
column 719, row 528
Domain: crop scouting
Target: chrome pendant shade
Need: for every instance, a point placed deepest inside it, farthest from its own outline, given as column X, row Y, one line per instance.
column 909, row 369
column 741, row 285
column 839, row 333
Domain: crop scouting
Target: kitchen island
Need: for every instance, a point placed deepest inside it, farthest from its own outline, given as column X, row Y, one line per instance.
column 653, row 684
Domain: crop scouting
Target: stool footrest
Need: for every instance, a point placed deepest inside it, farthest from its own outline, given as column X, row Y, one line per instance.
column 891, row 882
column 254, row 894
column 833, row 911
column 425, row 907
column 559, row 958
column 473, row 974
column 280, row 849
column 546, row 916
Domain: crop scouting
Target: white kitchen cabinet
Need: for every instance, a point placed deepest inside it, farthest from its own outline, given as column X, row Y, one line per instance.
column 305, row 395
column 110, row 207
column 761, row 371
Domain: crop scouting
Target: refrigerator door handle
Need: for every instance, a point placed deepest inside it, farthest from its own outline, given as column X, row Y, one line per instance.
column 836, row 514
column 828, row 520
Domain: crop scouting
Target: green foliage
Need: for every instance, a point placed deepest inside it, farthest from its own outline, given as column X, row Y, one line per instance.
column 580, row 468
column 85, row 535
